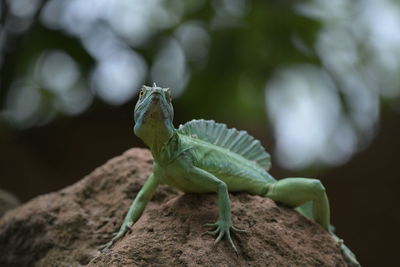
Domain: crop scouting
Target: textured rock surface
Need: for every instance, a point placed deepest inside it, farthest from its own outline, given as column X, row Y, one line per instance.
column 66, row 228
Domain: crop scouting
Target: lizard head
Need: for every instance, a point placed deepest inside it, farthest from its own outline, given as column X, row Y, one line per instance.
column 154, row 114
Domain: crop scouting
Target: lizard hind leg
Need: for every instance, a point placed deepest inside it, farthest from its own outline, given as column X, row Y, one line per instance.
column 296, row 192
column 309, row 198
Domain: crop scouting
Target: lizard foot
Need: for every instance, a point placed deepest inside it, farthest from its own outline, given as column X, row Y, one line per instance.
column 349, row 256
column 223, row 228
column 116, row 236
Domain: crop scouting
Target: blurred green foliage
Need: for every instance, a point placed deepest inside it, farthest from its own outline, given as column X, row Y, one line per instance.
column 326, row 61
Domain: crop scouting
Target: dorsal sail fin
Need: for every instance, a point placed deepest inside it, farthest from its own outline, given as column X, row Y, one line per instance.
column 239, row 142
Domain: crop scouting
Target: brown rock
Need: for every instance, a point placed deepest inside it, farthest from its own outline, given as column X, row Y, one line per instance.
column 66, row 228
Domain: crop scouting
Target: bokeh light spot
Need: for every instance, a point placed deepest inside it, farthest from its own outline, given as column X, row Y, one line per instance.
column 58, row 71
column 117, row 78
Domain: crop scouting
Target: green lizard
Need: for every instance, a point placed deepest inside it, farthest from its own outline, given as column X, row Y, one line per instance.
column 204, row 156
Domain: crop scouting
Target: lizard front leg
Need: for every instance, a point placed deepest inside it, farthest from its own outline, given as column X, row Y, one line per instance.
column 136, row 209
column 223, row 225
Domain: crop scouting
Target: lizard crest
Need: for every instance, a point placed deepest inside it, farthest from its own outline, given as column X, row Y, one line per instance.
column 239, row 142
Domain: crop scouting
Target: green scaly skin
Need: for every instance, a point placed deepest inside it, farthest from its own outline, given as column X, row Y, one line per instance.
column 193, row 165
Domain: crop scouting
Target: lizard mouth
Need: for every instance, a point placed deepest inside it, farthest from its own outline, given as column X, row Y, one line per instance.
column 156, row 93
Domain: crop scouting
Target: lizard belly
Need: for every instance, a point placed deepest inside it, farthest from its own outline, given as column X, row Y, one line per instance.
column 237, row 176
column 235, row 183
column 243, row 183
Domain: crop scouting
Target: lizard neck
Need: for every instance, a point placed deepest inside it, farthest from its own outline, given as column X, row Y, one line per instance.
column 156, row 136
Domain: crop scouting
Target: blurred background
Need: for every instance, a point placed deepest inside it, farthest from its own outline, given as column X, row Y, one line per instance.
column 318, row 82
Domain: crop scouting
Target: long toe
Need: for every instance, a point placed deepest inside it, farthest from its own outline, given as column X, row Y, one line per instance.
column 210, row 225
column 231, row 242
column 221, row 234
column 106, row 246
column 235, row 229
column 211, row 232
column 349, row 256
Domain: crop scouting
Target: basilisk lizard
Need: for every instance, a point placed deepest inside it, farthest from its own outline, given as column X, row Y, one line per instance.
column 204, row 156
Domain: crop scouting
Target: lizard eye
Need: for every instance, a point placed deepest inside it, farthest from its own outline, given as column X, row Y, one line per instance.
column 141, row 93
column 167, row 92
